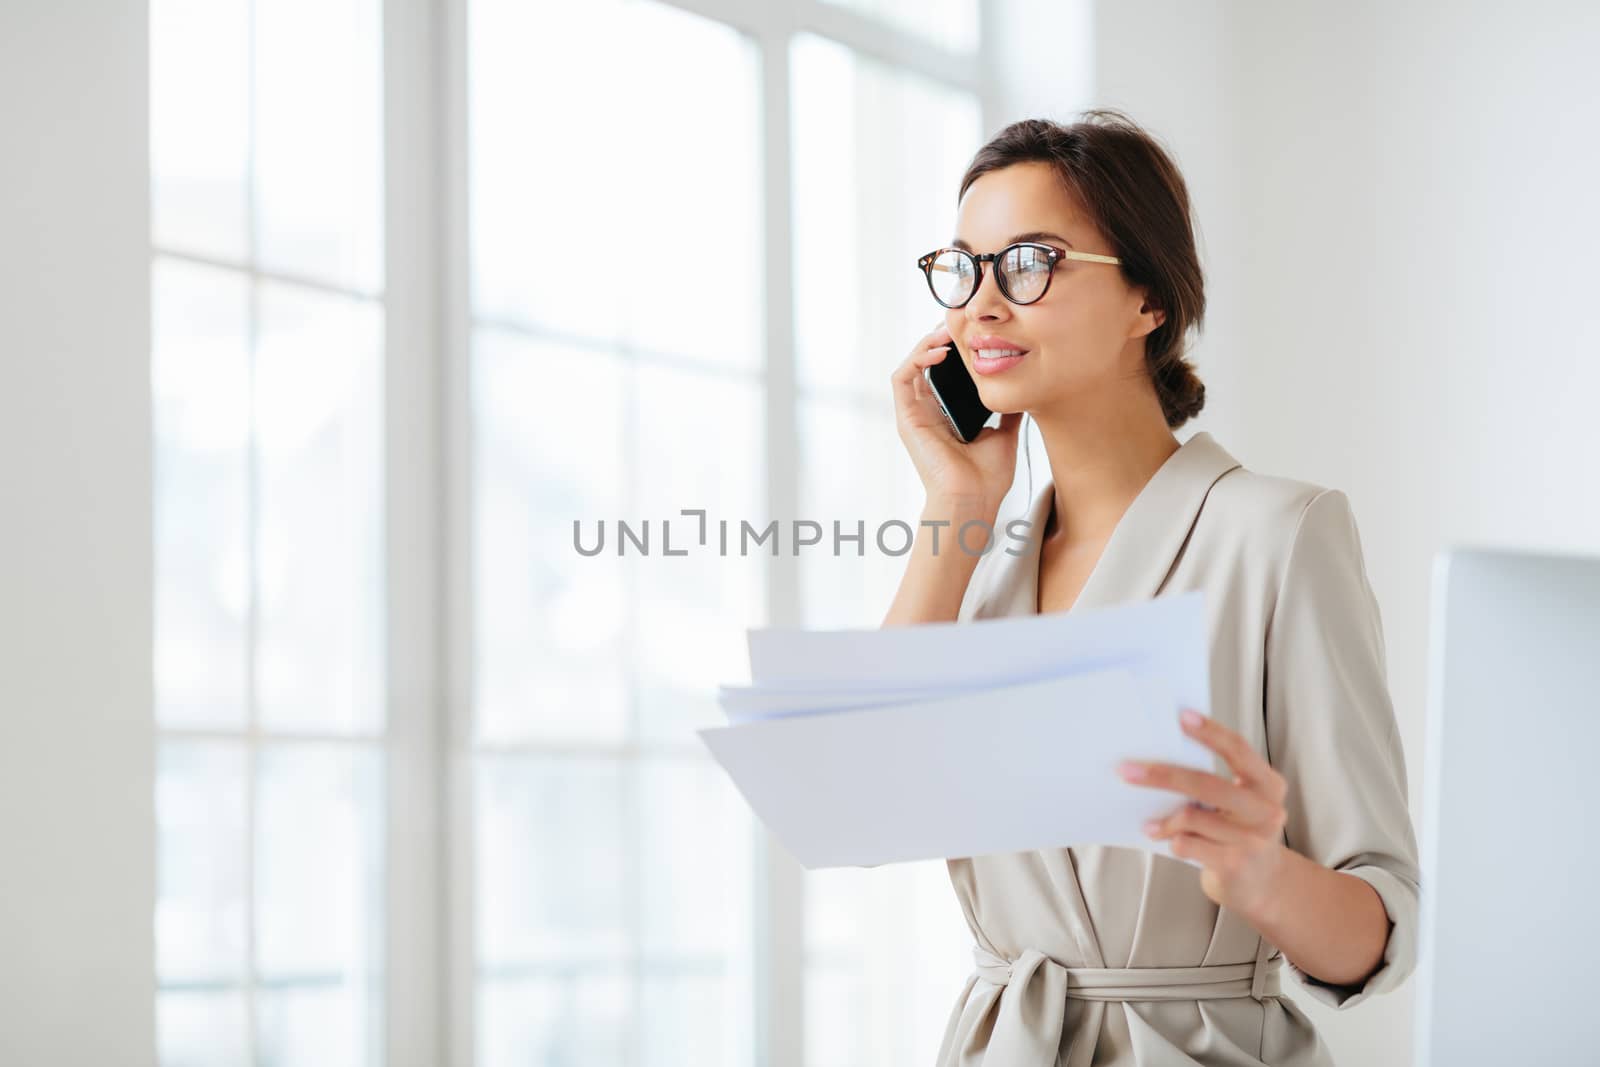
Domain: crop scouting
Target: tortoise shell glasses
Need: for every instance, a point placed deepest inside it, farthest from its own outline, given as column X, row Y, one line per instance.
column 1022, row 271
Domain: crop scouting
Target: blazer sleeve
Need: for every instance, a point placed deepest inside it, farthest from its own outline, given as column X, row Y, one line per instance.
column 1331, row 732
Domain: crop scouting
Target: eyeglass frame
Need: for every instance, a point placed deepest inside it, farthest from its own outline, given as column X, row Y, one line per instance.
column 1053, row 254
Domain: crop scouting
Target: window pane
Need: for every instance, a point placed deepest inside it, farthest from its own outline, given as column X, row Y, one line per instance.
column 695, row 833
column 855, row 471
column 201, row 902
column 200, row 371
column 835, row 1015
column 698, row 444
column 318, row 408
column 317, row 1025
column 887, row 951
column 316, row 860
column 607, row 215
column 696, row 862
column 550, row 639
column 581, row 1018
column 555, row 878
column 202, row 1029
column 878, row 159
column 200, row 126
column 319, row 911
column 950, row 23
column 689, row 1021
column 319, row 128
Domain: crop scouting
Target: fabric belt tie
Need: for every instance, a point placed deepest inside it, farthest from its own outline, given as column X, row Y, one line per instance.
column 1210, row 982
column 1031, row 1012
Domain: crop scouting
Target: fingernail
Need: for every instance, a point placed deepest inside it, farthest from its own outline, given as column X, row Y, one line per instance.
column 1152, row 827
column 1130, row 770
column 1191, row 718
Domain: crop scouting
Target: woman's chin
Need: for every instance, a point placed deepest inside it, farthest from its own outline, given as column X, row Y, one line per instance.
column 1003, row 396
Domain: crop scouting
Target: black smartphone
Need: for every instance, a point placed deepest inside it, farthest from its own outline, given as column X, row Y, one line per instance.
column 957, row 394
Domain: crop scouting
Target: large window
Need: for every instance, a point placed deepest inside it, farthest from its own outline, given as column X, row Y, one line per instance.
column 878, row 152
column 266, row 376
column 603, row 261
column 616, row 337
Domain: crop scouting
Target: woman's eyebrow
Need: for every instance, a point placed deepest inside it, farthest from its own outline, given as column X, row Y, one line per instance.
column 1031, row 235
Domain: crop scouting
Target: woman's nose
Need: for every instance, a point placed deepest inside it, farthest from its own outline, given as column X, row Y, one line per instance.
column 987, row 302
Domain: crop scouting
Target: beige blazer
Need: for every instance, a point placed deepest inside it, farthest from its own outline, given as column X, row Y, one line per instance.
column 1114, row 955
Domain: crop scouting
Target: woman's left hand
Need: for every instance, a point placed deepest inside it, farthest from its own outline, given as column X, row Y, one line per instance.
column 1239, row 844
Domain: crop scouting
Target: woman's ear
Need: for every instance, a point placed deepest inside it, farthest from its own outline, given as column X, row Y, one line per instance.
column 1150, row 316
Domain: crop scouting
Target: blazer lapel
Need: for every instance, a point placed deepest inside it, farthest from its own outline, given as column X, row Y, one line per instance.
column 1143, row 546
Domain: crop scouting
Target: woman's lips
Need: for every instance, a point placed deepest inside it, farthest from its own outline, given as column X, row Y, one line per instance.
column 990, row 362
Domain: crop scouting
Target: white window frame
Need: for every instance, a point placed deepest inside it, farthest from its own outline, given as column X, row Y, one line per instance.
column 420, row 864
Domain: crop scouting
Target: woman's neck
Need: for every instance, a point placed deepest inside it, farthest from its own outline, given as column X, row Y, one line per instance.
column 1101, row 455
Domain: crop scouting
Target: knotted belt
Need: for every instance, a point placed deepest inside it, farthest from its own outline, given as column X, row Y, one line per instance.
column 1027, row 1027
column 1210, row 982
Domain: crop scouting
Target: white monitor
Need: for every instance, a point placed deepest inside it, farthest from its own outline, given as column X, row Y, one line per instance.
column 1510, row 937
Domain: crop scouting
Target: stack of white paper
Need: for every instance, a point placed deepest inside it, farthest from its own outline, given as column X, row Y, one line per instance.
column 865, row 747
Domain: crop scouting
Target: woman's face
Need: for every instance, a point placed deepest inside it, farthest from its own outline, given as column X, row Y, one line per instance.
column 1084, row 336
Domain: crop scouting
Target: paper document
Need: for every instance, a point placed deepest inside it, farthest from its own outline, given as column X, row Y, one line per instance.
column 865, row 747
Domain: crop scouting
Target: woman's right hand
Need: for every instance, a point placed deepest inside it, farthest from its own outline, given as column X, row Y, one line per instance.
column 950, row 469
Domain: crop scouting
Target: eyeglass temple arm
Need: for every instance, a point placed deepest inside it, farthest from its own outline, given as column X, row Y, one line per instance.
column 1091, row 257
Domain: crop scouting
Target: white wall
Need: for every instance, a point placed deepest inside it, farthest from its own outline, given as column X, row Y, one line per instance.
column 1167, row 63
column 76, row 828
column 1400, row 209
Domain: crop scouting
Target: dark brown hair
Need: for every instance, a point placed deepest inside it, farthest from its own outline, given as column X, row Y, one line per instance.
column 1133, row 191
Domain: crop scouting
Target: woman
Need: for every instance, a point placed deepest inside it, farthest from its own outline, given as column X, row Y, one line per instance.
column 1304, row 854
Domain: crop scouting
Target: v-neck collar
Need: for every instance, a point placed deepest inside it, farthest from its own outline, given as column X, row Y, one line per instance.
column 1143, row 545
